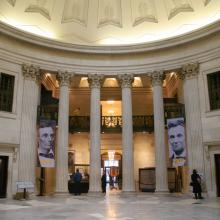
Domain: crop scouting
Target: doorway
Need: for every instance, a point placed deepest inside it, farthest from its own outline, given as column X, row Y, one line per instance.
column 3, row 176
column 113, row 170
column 217, row 169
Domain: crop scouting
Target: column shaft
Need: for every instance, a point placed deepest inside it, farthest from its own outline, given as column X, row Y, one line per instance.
column 95, row 125
column 193, row 117
column 28, row 142
column 127, row 134
column 63, row 134
column 159, row 133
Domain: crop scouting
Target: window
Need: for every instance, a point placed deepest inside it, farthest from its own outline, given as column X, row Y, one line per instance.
column 214, row 90
column 110, row 163
column 6, row 92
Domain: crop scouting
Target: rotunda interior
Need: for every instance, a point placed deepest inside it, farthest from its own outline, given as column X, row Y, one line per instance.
column 129, row 88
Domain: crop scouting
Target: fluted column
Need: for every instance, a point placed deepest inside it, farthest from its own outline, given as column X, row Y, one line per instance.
column 194, row 140
column 28, row 141
column 127, row 133
column 64, row 79
column 159, row 132
column 95, row 81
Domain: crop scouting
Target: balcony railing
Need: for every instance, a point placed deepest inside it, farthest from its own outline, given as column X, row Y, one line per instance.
column 79, row 124
column 112, row 124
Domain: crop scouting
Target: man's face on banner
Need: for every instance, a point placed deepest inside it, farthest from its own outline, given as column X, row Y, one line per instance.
column 177, row 139
column 46, row 138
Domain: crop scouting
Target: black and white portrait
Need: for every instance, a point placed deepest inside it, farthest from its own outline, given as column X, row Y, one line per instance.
column 46, row 143
column 177, row 144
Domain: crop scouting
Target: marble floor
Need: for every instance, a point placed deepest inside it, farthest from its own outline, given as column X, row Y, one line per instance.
column 113, row 206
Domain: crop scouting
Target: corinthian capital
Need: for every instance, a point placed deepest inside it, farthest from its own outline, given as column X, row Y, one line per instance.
column 64, row 78
column 126, row 80
column 31, row 72
column 157, row 78
column 95, row 80
column 189, row 71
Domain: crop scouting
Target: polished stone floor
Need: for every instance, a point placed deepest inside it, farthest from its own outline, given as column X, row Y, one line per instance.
column 113, row 206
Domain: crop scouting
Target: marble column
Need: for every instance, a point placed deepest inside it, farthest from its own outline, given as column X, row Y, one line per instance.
column 194, row 140
column 28, row 138
column 159, row 132
column 95, row 82
column 64, row 79
column 128, row 184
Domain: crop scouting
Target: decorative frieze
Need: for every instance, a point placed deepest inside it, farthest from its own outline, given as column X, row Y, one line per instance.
column 206, row 2
column 43, row 7
column 174, row 7
column 157, row 78
column 109, row 13
column 143, row 11
column 64, row 78
column 189, row 71
column 76, row 11
column 31, row 72
column 95, row 80
column 126, row 80
column 11, row 2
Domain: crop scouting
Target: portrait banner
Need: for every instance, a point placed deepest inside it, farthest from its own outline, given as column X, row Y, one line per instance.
column 177, row 143
column 46, row 143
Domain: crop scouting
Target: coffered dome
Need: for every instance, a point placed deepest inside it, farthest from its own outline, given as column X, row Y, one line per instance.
column 109, row 22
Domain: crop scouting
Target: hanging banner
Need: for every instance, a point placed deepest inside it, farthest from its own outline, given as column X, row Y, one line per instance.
column 177, row 143
column 46, row 143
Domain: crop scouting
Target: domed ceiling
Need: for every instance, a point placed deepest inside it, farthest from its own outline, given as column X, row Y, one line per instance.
column 109, row 22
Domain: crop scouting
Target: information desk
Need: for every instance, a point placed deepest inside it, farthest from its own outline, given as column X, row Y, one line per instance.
column 84, row 187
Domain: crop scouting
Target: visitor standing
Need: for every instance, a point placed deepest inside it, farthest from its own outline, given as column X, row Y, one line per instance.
column 196, row 184
column 77, row 180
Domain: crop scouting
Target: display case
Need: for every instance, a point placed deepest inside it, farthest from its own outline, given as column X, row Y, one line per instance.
column 147, row 179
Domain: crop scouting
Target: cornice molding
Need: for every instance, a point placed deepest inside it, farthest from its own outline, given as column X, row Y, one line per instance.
column 115, row 91
column 181, row 39
column 48, row 83
column 8, row 145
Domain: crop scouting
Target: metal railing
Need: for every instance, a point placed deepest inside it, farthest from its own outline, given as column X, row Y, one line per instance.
column 112, row 124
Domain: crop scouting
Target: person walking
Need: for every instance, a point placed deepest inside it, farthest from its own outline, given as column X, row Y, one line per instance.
column 196, row 184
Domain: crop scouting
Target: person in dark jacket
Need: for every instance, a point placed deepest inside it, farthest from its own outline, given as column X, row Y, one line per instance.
column 103, row 182
column 196, row 184
column 77, row 179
